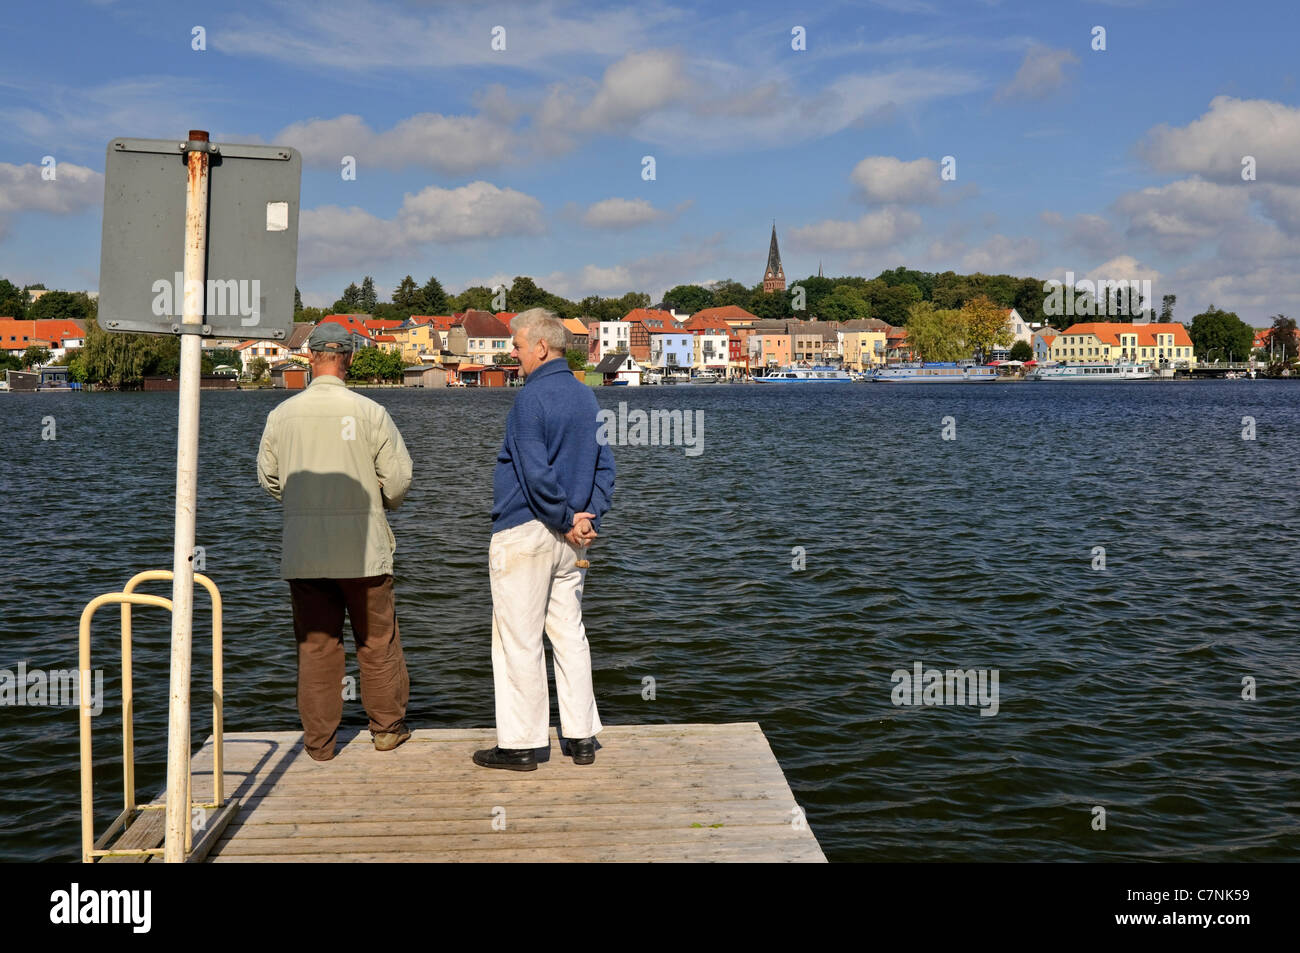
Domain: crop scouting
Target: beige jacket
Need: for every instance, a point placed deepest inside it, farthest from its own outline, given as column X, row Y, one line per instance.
column 336, row 461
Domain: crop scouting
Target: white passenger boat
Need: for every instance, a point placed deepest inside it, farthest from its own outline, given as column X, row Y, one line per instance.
column 1092, row 373
column 968, row 373
column 806, row 375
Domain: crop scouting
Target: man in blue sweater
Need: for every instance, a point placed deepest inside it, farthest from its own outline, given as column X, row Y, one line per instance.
column 553, row 482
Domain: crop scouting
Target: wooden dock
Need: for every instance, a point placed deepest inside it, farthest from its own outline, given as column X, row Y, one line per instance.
column 655, row 793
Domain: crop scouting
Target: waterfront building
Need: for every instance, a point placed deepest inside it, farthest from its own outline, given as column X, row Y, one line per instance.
column 733, row 316
column 1042, row 342
column 671, row 351
column 605, row 337
column 862, row 342
column 59, row 335
column 1099, row 341
column 487, row 335
column 577, row 333
column 275, row 352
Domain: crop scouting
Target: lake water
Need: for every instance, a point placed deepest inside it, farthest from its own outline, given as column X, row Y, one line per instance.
column 1118, row 687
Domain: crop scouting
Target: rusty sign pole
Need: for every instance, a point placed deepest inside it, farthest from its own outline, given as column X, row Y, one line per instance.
column 187, row 466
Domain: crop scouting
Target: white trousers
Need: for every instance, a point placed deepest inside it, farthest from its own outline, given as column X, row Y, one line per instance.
column 536, row 588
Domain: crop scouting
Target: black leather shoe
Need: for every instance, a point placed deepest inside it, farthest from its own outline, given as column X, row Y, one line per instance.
column 583, row 750
column 511, row 759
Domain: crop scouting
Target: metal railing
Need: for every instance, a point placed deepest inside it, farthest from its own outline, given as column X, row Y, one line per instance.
column 128, row 597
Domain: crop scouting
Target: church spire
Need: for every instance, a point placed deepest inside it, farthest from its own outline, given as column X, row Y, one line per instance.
column 774, row 275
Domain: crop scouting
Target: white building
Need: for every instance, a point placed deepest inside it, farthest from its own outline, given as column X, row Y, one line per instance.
column 611, row 336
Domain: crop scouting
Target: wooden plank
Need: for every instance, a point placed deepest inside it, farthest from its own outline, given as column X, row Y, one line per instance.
column 803, row 852
column 615, row 838
column 656, row 792
column 146, row 831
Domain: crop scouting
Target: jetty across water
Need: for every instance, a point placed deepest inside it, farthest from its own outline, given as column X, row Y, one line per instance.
column 655, row 793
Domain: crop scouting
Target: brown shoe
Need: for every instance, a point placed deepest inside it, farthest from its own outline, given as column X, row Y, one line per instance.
column 388, row 740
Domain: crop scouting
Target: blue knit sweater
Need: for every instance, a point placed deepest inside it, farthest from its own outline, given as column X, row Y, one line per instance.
column 550, row 465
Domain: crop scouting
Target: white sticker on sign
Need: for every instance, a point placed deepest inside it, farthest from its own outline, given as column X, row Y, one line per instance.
column 277, row 216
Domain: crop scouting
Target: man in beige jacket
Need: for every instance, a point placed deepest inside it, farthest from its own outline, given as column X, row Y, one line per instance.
column 336, row 462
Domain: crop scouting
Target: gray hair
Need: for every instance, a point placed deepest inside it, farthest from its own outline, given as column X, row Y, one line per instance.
column 541, row 325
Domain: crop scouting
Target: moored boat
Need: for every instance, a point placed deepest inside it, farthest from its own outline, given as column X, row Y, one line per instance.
column 806, row 375
column 936, row 373
column 1092, row 373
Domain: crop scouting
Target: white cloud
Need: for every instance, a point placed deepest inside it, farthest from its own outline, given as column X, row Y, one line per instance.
column 73, row 189
column 366, row 36
column 1041, row 73
column 1213, row 145
column 1181, row 215
column 890, row 180
column 999, row 254
column 1093, row 234
column 332, row 237
column 788, row 115
column 621, row 213
column 454, row 145
column 884, row 226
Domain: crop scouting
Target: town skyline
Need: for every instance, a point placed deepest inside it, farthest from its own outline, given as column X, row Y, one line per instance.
column 991, row 138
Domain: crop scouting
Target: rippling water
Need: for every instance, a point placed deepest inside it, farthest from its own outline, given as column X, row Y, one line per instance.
column 1119, row 688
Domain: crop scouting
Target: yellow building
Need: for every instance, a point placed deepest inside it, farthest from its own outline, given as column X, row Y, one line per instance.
column 1108, row 342
column 424, row 335
column 863, row 343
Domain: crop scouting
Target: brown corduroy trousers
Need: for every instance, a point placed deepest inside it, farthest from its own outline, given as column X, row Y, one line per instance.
column 318, row 608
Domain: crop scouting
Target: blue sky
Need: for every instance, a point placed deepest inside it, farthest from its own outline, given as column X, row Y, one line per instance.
column 475, row 164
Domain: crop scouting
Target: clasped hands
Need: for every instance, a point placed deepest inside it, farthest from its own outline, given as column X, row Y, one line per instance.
column 581, row 533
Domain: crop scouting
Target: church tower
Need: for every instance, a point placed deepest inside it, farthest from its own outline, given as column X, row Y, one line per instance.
column 774, row 276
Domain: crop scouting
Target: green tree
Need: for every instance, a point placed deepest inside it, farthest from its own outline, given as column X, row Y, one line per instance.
column 923, row 280
column 10, row 362
column 524, row 294
column 407, row 299
column 350, row 303
column 1029, row 301
column 434, row 297
column 727, row 292
column 936, row 334
column 36, row 356
column 73, row 305
column 13, row 300
column 311, row 315
column 297, row 300
column 372, row 364
column 985, row 324
column 1167, row 308
column 368, row 298
column 477, row 297
column 845, row 303
column 1282, row 339
column 1217, row 334
column 689, row 298
column 257, row 368
column 122, row 360
column 577, row 358
column 1022, row 351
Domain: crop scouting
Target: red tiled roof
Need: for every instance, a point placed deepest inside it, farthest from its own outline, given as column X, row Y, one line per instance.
column 483, row 324
column 728, row 312
column 442, row 322
column 1109, row 332
column 351, row 322
column 652, row 318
